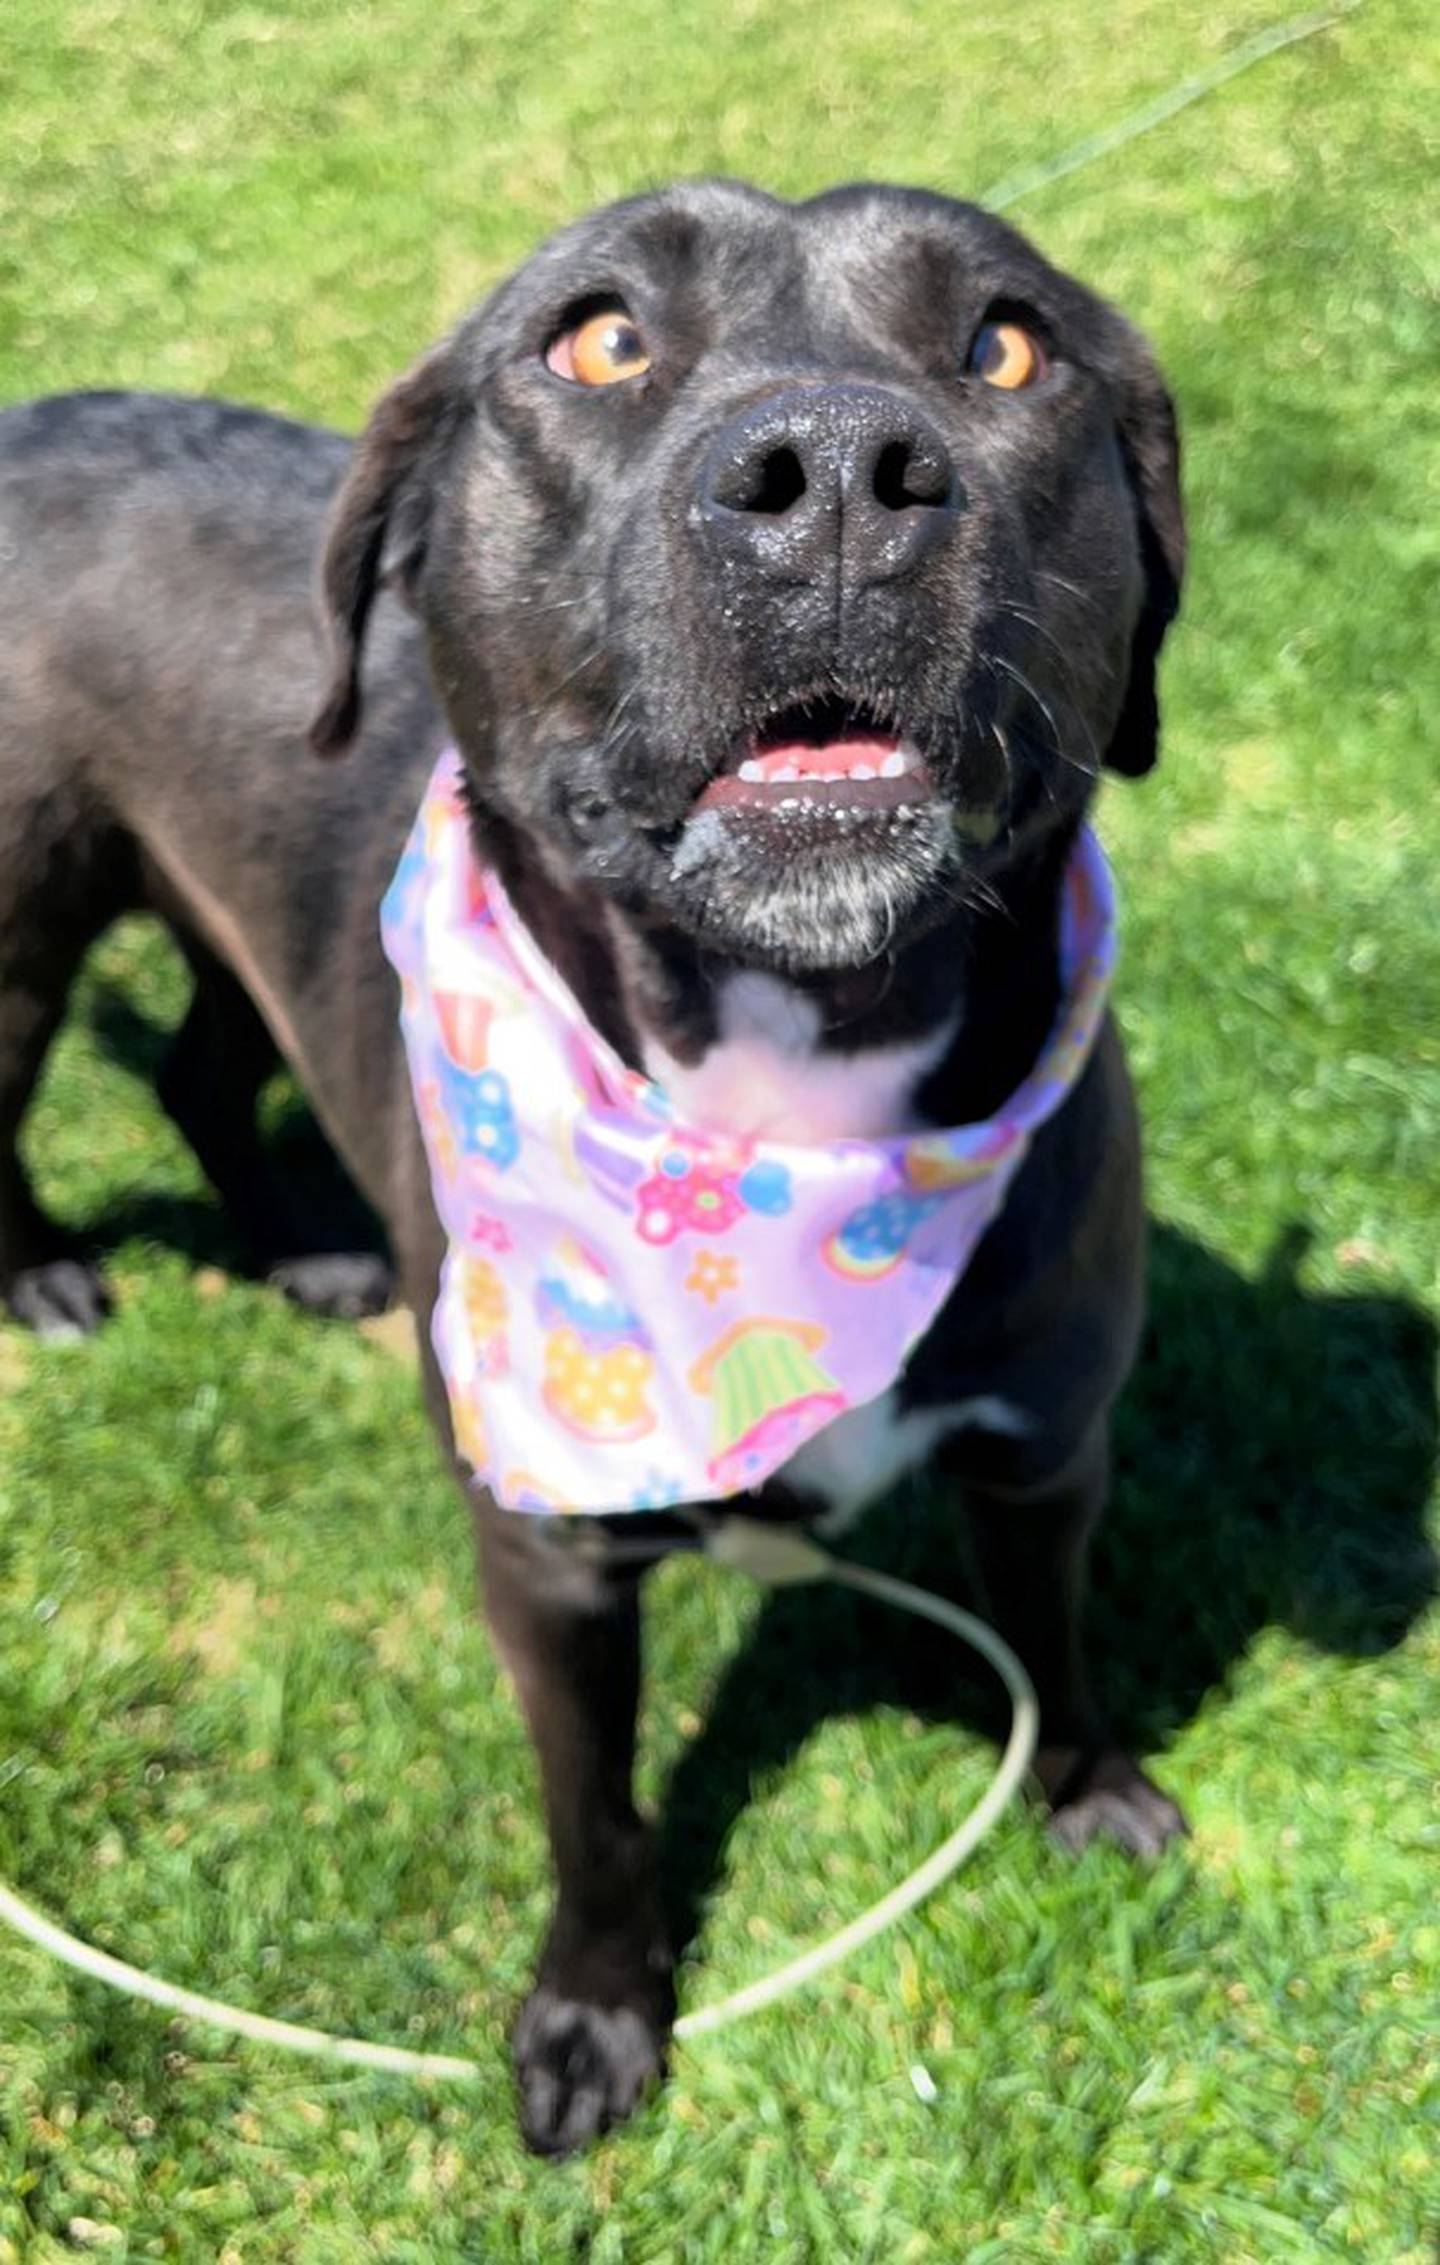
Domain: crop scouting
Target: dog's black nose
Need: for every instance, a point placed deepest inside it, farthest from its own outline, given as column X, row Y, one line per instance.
column 829, row 481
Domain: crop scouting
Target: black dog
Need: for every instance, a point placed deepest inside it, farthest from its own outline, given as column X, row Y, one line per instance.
column 712, row 474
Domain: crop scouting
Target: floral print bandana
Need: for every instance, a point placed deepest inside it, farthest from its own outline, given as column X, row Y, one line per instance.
column 636, row 1311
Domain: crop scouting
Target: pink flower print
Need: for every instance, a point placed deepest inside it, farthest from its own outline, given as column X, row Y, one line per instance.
column 710, row 1277
column 690, row 1193
column 489, row 1233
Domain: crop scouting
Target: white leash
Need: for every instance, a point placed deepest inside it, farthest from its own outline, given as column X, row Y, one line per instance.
column 780, row 1557
column 1180, row 97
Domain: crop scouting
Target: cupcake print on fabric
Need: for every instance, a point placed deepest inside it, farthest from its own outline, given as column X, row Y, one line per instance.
column 769, row 1395
column 598, row 1362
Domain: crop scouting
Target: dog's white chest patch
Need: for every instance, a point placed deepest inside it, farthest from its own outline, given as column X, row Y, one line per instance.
column 865, row 1452
column 765, row 1078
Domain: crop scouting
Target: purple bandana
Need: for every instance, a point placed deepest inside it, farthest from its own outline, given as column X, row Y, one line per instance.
column 636, row 1311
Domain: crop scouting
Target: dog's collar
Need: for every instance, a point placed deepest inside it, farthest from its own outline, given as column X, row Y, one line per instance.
column 635, row 1311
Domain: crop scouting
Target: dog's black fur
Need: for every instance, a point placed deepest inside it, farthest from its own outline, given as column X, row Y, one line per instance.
column 602, row 596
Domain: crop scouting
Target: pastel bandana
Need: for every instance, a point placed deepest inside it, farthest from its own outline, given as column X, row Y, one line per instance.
column 636, row 1311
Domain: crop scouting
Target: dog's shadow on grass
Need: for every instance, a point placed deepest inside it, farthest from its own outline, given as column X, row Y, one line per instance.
column 1274, row 1453
column 199, row 1226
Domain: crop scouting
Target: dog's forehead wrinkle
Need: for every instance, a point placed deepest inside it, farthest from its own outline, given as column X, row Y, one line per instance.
column 912, row 239
column 851, row 257
column 754, row 255
column 698, row 243
column 739, row 255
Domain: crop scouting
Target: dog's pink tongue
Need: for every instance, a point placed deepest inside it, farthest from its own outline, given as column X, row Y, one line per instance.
column 865, row 751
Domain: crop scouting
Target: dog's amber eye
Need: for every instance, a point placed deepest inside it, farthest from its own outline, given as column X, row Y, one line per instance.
column 1006, row 355
column 604, row 349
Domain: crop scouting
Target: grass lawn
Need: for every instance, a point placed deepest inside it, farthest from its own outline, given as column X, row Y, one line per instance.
column 250, row 1732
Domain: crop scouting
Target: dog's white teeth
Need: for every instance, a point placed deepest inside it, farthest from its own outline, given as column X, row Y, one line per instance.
column 752, row 772
column 863, row 771
column 785, row 774
column 894, row 766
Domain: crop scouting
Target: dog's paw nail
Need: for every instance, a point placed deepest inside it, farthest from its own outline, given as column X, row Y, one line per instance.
column 1113, row 1800
column 580, row 2068
column 61, row 1301
column 343, row 1285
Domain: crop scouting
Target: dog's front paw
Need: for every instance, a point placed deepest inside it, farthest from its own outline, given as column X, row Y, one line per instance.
column 581, row 2068
column 1103, row 1795
column 61, row 1300
column 345, row 1285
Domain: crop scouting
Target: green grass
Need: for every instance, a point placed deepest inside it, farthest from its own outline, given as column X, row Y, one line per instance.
column 249, row 1729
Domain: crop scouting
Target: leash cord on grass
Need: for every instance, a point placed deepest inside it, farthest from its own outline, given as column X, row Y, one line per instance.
column 1014, row 186
column 776, row 1556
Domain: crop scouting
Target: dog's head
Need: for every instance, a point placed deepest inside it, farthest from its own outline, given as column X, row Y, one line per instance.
column 782, row 565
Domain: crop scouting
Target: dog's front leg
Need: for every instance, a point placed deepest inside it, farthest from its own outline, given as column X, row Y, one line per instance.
column 592, row 2033
column 1031, row 1540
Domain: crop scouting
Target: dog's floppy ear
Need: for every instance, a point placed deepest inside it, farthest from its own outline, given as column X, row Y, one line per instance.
column 1150, row 445
column 377, row 528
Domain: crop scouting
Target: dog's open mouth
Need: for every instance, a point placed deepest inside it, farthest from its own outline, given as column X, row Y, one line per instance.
column 822, row 758
column 818, row 839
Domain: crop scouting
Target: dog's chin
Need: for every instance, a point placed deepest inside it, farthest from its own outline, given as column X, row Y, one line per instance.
column 804, row 895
